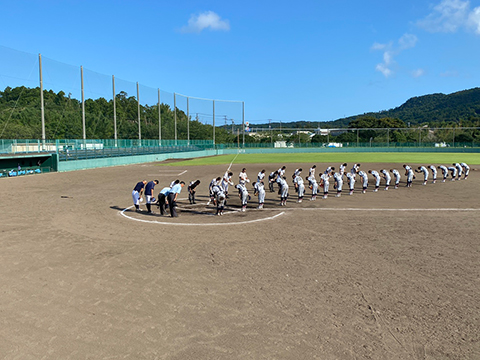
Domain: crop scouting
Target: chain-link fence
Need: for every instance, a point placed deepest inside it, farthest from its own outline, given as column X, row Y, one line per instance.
column 366, row 137
column 47, row 99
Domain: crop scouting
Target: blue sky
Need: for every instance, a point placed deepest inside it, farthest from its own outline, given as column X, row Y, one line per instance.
column 309, row 60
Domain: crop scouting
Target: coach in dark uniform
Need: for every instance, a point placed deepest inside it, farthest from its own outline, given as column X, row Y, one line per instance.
column 149, row 194
column 137, row 194
column 192, row 190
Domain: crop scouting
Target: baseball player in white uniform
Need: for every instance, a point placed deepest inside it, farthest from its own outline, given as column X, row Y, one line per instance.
column 216, row 181
column 342, row 168
column 434, row 173
column 260, row 177
column 409, row 174
column 351, row 182
column 424, row 170
column 219, row 195
column 243, row 177
column 296, row 172
column 355, row 168
column 325, row 181
column 300, row 186
column 271, row 180
column 466, row 170
column 283, row 191
column 444, row 172
column 313, row 182
column 453, row 171
column 260, row 191
column 386, row 177
column 227, row 180
column 338, row 178
column 329, row 170
column 243, row 195
column 280, row 176
column 397, row 175
column 459, row 170
column 377, row 177
column 364, row 177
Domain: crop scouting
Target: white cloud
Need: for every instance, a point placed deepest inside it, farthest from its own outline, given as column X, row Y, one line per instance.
column 206, row 20
column 377, row 46
column 451, row 15
column 407, row 41
column 384, row 70
column 449, row 73
column 474, row 20
column 417, row 73
column 390, row 50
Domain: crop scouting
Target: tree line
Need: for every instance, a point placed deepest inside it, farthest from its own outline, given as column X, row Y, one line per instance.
column 20, row 118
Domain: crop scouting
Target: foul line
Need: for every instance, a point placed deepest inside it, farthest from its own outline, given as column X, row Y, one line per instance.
column 376, row 209
column 198, row 224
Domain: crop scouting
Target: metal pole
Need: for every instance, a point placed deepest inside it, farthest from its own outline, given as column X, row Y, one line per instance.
column 138, row 115
column 175, row 114
column 188, row 122
column 243, row 123
column 114, row 111
column 388, row 137
column 83, row 106
column 357, row 138
column 159, row 120
column 453, row 137
column 271, row 135
column 42, row 107
column 419, row 137
column 214, row 122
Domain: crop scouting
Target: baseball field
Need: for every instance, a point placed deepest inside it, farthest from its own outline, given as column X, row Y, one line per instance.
column 388, row 275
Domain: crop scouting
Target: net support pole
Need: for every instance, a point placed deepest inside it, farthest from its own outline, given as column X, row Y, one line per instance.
column 138, row 115
column 243, row 123
column 114, row 111
column 188, row 122
column 83, row 106
column 42, row 107
column 214, row 123
column 159, row 120
column 175, row 114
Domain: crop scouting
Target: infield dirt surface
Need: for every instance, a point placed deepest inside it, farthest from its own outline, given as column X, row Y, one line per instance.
column 387, row 275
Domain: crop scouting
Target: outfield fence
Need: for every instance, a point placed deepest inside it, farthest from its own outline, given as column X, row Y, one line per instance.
column 69, row 149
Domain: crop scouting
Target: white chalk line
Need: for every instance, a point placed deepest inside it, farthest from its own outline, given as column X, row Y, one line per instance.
column 200, row 224
column 367, row 209
column 166, row 171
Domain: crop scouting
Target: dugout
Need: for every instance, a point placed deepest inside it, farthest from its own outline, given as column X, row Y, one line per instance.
column 29, row 163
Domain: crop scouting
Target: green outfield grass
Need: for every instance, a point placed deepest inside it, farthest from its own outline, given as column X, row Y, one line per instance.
column 412, row 158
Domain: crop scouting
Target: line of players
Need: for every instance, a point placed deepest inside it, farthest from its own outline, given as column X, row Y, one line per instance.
column 218, row 188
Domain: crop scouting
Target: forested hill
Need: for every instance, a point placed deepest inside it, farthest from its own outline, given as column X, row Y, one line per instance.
column 435, row 109
column 438, row 108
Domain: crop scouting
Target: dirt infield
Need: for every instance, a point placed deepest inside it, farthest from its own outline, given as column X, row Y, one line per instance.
column 386, row 275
